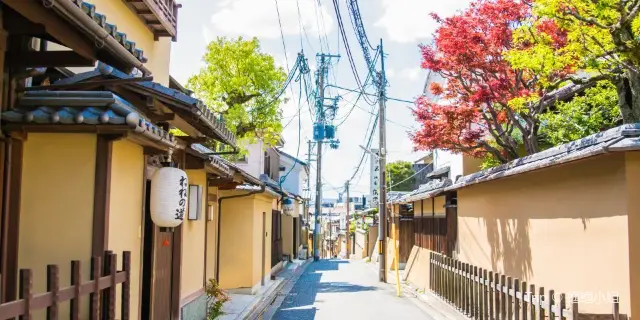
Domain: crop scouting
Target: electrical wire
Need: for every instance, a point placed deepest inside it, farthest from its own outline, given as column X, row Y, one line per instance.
column 407, row 179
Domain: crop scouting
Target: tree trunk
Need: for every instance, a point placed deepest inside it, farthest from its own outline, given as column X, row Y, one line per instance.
column 629, row 97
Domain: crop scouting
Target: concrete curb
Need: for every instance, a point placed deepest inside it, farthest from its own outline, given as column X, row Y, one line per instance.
column 267, row 310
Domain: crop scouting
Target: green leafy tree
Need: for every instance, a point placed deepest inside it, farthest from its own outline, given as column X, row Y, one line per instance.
column 400, row 176
column 596, row 110
column 244, row 85
column 602, row 39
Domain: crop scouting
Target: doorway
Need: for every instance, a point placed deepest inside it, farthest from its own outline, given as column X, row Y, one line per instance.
column 276, row 237
column 296, row 227
column 156, row 267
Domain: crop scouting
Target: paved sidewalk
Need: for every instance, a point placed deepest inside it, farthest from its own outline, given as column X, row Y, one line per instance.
column 246, row 306
column 344, row 289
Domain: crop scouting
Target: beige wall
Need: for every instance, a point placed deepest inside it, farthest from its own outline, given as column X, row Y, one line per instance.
column 57, row 206
column 125, row 210
column 564, row 228
column 236, row 242
column 470, row 165
column 633, row 200
column 193, row 241
column 264, row 203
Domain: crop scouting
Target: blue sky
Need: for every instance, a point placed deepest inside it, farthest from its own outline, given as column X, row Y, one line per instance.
column 402, row 24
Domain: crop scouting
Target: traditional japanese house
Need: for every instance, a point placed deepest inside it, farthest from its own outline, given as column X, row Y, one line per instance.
column 78, row 151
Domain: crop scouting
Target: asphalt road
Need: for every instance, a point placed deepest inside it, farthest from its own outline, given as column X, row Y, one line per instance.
column 341, row 289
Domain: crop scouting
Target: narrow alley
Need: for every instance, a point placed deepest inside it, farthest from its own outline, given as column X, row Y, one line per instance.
column 342, row 289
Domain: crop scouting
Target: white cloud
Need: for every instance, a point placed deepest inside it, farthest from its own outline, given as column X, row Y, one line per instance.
column 258, row 18
column 206, row 35
column 408, row 21
column 390, row 73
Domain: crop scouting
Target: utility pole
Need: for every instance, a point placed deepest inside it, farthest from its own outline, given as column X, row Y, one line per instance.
column 348, row 224
column 316, row 257
column 308, row 200
column 323, row 70
column 382, row 209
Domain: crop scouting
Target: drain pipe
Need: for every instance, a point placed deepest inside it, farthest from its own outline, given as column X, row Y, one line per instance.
column 262, row 189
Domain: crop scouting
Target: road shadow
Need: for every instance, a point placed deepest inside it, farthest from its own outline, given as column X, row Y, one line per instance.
column 340, row 287
column 299, row 303
column 296, row 314
column 327, row 265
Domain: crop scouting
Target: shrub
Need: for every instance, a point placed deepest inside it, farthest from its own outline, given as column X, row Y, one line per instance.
column 216, row 298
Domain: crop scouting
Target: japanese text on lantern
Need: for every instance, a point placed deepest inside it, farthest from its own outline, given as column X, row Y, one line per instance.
column 182, row 192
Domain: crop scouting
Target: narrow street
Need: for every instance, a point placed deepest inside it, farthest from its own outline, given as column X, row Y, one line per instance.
column 341, row 289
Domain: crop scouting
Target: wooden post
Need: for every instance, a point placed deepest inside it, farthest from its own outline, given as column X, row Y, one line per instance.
column 532, row 293
column 94, row 305
column 575, row 312
column 503, row 297
column 616, row 308
column 472, row 288
column 106, row 293
column 467, row 292
column 524, row 300
column 562, row 306
column 541, row 313
column 485, row 304
column 53, row 286
column 26, row 294
column 509, row 298
column 126, row 286
column 516, row 300
column 74, row 307
column 113, row 270
column 498, row 298
column 492, row 290
column 552, row 314
column 456, row 267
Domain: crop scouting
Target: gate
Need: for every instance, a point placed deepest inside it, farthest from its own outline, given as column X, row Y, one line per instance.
column 276, row 237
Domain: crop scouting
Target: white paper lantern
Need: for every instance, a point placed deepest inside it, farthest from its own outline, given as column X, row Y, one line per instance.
column 287, row 206
column 169, row 188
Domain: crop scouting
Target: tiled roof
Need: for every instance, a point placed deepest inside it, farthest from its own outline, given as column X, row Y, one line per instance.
column 425, row 191
column 214, row 161
column 245, row 175
column 111, row 29
column 619, row 139
column 194, row 106
column 83, row 108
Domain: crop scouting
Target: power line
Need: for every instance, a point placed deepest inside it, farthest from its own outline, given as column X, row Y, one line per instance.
column 407, row 179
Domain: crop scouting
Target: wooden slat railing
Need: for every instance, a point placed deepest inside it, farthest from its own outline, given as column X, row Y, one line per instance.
column 483, row 295
column 102, row 280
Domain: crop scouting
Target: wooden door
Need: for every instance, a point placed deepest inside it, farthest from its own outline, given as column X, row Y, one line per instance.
column 157, row 268
column 276, row 237
column 163, row 261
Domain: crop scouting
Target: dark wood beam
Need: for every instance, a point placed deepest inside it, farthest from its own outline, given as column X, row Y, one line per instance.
column 11, row 218
column 88, row 84
column 55, row 26
column 102, row 193
column 68, row 128
column 194, row 163
column 31, row 59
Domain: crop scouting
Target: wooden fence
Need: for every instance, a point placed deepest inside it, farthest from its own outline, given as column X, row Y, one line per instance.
column 101, row 289
column 482, row 294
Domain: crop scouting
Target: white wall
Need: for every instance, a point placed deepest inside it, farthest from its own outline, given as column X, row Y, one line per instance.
column 443, row 158
column 255, row 160
column 296, row 181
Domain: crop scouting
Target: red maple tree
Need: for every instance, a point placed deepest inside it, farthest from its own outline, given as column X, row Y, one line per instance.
column 473, row 115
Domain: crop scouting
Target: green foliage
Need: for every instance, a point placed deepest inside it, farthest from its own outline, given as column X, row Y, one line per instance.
column 216, row 298
column 242, row 83
column 593, row 112
column 400, row 171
